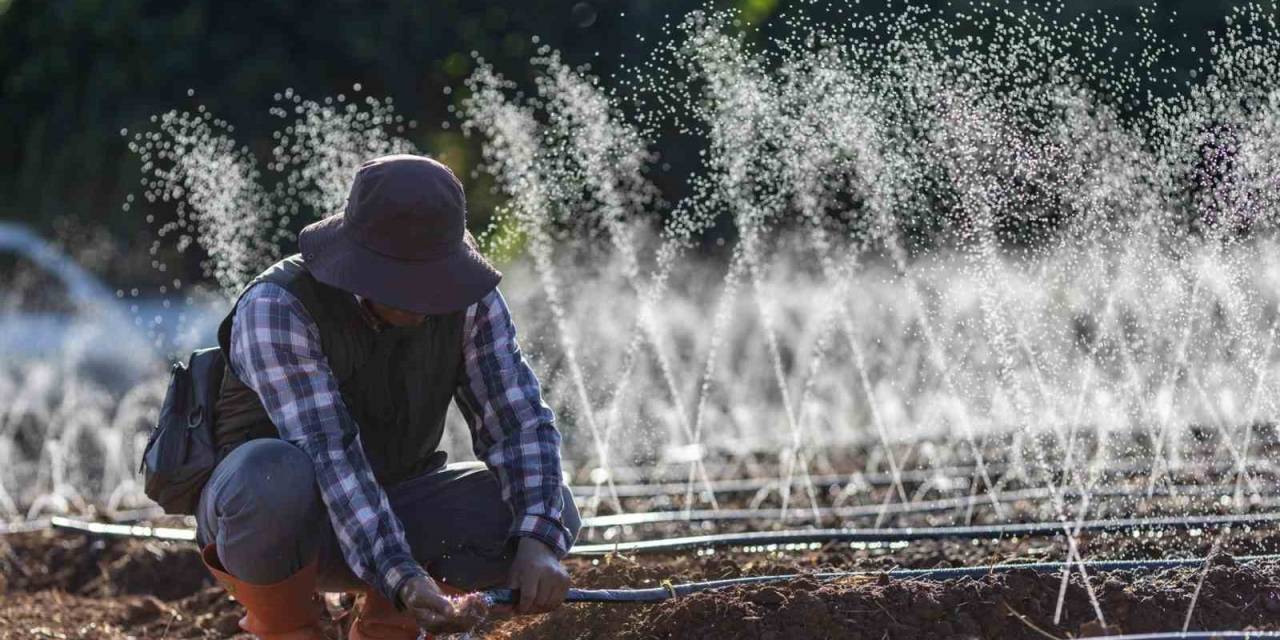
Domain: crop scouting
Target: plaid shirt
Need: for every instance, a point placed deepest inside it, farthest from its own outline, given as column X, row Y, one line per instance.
column 275, row 350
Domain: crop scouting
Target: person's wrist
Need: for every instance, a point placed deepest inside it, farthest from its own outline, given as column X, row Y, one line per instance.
column 549, row 539
column 402, row 591
column 401, row 570
column 405, row 588
column 535, row 544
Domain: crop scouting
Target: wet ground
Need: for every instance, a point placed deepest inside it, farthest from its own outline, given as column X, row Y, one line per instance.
column 1017, row 604
column 60, row 585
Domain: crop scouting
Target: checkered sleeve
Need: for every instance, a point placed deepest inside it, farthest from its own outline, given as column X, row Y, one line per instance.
column 275, row 350
column 512, row 430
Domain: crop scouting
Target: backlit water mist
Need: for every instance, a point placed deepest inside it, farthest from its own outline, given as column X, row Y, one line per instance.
column 1017, row 251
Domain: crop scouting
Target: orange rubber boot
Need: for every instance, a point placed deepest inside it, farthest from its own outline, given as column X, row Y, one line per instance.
column 281, row 611
column 378, row 619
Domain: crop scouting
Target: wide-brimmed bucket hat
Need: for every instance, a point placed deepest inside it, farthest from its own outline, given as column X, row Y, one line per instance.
column 402, row 240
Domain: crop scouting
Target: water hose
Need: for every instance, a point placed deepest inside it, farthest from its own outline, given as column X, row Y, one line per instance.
column 658, row 517
column 25, row 526
column 897, row 508
column 654, row 517
column 778, row 538
column 1194, row 635
column 908, row 534
column 122, row 530
column 731, row 485
column 667, row 592
column 879, row 478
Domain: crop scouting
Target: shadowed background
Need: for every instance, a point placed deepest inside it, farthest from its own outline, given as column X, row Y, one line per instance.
column 75, row 73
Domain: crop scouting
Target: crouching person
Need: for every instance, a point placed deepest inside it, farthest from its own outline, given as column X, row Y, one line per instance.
column 342, row 363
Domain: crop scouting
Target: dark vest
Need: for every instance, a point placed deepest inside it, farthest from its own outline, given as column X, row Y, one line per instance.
column 397, row 382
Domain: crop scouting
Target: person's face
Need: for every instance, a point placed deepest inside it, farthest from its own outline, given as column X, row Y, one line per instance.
column 396, row 317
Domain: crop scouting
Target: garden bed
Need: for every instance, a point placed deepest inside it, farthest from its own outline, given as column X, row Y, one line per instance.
column 68, row 585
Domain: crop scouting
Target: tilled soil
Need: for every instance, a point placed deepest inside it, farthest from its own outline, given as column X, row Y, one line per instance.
column 55, row 614
column 1017, row 604
column 56, row 585
column 63, row 585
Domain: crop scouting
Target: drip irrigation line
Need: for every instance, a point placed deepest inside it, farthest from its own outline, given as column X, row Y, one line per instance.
column 740, row 485
column 116, row 518
column 24, row 526
column 1194, row 635
column 654, row 517
column 751, row 538
column 123, row 530
column 774, row 538
column 955, row 473
column 909, row 534
column 895, row 508
column 667, row 592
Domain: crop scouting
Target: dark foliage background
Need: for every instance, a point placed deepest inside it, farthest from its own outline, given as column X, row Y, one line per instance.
column 74, row 73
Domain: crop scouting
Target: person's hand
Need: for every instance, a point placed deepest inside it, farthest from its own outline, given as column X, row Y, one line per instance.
column 537, row 573
column 436, row 612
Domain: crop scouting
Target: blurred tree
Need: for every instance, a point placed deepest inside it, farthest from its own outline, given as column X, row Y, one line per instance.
column 75, row 73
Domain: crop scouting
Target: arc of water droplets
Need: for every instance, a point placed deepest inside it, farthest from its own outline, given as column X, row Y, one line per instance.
column 854, row 134
column 192, row 162
column 1243, row 203
column 324, row 145
column 969, row 144
column 513, row 152
column 611, row 158
column 803, row 168
column 739, row 127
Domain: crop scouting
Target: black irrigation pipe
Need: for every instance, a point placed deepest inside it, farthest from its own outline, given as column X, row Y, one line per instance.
column 116, row 517
column 674, row 470
column 671, row 591
column 895, row 508
column 25, row 526
column 759, row 538
column 784, row 538
column 732, row 485
column 876, row 479
column 1195, row 635
column 123, row 530
column 909, row 534
column 796, row 513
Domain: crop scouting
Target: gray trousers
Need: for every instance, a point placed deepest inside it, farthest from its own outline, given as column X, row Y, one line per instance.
column 263, row 510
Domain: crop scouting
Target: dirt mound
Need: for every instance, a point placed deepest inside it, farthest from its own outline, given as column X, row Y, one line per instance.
column 55, row 585
column 54, row 614
column 87, row 566
column 58, row 585
column 1013, row 605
